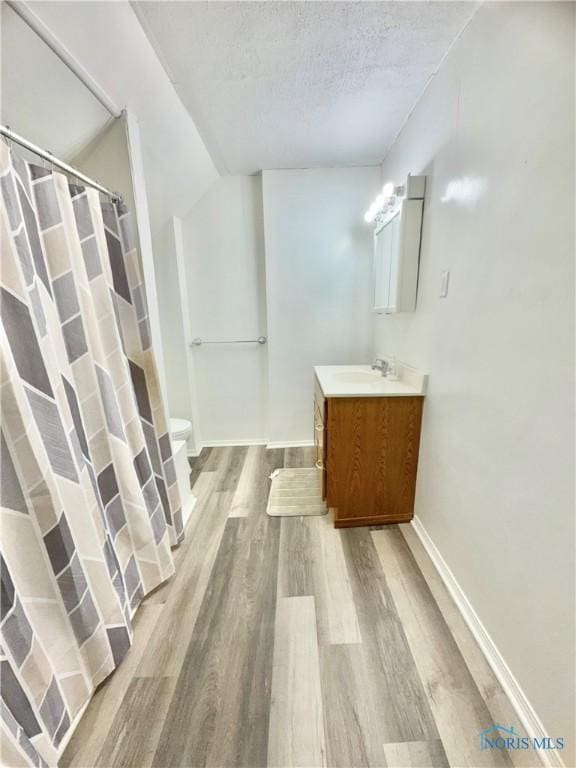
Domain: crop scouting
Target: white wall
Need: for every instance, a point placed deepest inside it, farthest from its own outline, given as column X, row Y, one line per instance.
column 224, row 257
column 494, row 133
column 318, row 275
column 173, row 321
column 107, row 159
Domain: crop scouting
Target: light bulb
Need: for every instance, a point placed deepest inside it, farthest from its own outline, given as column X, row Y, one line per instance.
column 370, row 214
column 388, row 189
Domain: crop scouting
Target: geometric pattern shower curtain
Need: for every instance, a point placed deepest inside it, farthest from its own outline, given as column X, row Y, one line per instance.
column 90, row 505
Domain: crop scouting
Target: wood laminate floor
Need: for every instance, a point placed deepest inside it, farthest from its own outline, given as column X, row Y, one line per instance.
column 284, row 642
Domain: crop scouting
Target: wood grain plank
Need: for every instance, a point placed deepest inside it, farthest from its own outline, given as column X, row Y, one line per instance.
column 296, row 565
column 214, row 462
column 247, row 491
column 205, row 685
column 416, row 754
column 203, row 487
column 499, row 706
column 408, row 715
column 220, row 709
column 168, row 648
column 251, row 495
column 248, row 674
column 198, row 464
column 189, row 728
column 87, row 740
column 355, row 706
column 296, row 723
column 302, row 456
column 312, row 562
column 337, row 619
column 230, row 469
column 458, row 707
column 132, row 741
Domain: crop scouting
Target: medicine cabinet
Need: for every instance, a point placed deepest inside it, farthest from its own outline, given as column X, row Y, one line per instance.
column 397, row 250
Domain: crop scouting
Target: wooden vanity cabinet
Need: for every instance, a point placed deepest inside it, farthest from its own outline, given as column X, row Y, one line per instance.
column 367, row 448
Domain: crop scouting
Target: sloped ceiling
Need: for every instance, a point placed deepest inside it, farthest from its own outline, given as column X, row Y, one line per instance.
column 300, row 84
column 41, row 98
column 53, row 110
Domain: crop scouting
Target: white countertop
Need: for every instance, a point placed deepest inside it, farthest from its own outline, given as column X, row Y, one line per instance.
column 362, row 381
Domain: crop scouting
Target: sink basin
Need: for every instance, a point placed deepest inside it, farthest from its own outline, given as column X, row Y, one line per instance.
column 364, row 381
column 357, row 377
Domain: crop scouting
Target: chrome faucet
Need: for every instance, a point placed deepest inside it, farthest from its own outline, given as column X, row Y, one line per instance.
column 380, row 365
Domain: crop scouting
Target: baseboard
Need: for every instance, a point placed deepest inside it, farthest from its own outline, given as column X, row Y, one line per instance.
column 187, row 510
column 224, row 444
column 255, row 441
column 351, row 522
column 524, row 709
column 291, row 444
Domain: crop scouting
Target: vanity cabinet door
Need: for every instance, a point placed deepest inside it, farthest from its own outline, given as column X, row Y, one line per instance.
column 373, row 447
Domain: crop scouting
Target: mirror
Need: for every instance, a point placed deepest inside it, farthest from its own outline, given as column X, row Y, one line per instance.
column 385, row 246
column 396, row 257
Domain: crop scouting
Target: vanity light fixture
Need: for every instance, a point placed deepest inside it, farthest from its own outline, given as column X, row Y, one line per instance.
column 385, row 200
column 388, row 189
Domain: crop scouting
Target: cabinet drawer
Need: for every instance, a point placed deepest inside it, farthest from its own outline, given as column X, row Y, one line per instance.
column 319, row 426
column 319, row 438
column 320, row 456
column 320, row 433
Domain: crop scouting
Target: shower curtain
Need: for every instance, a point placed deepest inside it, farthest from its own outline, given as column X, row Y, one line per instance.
column 89, row 502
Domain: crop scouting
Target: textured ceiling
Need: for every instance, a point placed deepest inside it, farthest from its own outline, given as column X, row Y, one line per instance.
column 300, row 84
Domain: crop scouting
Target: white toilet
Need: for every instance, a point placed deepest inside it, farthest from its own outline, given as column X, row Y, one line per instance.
column 180, row 431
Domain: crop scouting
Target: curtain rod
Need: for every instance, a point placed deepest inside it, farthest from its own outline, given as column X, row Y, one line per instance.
column 11, row 136
column 39, row 27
